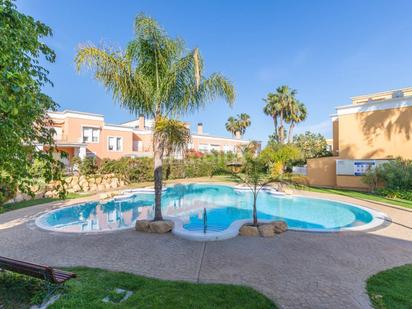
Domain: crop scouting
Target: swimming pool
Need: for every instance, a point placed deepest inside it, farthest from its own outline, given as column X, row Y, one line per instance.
column 227, row 208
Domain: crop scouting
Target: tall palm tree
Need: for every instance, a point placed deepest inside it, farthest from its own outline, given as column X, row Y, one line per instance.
column 297, row 113
column 155, row 76
column 244, row 123
column 277, row 106
column 232, row 125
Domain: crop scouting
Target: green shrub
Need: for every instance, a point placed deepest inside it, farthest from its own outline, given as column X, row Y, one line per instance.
column 395, row 177
column 132, row 169
column 88, row 166
column 390, row 193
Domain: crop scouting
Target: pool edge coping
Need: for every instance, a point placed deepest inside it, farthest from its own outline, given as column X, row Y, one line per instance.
column 379, row 218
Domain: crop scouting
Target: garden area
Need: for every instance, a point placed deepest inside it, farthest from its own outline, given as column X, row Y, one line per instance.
column 94, row 285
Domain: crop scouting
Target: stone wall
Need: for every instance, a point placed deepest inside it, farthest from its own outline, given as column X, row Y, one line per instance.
column 93, row 183
column 73, row 184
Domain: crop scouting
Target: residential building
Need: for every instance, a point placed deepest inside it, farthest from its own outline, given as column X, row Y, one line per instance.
column 86, row 134
column 371, row 130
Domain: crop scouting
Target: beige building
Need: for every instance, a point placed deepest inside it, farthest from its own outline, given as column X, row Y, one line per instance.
column 86, row 134
column 369, row 131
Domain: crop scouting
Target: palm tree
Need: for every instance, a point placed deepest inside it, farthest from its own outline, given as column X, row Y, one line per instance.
column 296, row 114
column 232, row 125
column 239, row 124
column 244, row 123
column 277, row 106
column 155, row 76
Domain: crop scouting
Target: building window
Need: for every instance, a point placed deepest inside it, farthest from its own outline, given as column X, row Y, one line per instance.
column 90, row 135
column 115, row 143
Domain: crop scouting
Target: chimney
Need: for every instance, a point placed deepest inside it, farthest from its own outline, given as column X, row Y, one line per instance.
column 200, row 128
column 238, row 136
column 140, row 122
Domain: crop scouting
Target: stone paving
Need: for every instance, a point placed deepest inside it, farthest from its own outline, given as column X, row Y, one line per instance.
column 295, row 269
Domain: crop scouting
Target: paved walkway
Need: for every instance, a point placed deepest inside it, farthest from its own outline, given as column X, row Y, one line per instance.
column 295, row 269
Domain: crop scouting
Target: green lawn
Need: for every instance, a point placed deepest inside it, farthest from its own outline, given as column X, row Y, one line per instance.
column 391, row 288
column 362, row 196
column 92, row 285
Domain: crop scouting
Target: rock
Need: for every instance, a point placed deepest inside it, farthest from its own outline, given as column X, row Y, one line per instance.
column 266, row 230
column 75, row 180
column 101, row 187
column 49, row 194
column 107, row 186
column 92, row 180
column 143, row 226
column 93, row 187
column 161, row 226
column 288, row 191
column 107, row 195
column 82, row 178
column 279, row 226
column 39, row 194
column 76, row 188
column 99, row 180
column 248, row 230
column 68, row 180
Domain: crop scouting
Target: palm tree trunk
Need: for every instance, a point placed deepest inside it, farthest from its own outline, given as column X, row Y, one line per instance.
column 255, row 221
column 281, row 133
column 292, row 125
column 158, row 166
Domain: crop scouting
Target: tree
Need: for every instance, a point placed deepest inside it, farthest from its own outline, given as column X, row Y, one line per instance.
column 297, row 113
column 244, row 123
column 238, row 124
column 254, row 175
column 155, row 76
column 312, row 145
column 23, row 105
column 283, row 107
column 232, row 125
column 276, row 157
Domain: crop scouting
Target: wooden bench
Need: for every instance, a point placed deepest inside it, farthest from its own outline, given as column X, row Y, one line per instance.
column 53, row 277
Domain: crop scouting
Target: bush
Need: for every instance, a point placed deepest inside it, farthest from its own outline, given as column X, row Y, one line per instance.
column 395, row 176
column 88, row 166
column 132, row 169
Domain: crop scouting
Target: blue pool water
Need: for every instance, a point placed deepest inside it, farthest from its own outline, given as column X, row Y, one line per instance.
column 223, row 204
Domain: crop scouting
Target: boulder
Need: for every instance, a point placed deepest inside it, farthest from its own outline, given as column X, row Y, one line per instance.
column 92, row 180
column 39, row 194
column 99, row 180
column 279, row 226
column 69, row 179
column 266, row 230
column 288, row 191
column 248, row 230
column 143, row 226
column 76, row 188
column 93, row 187
column 75, row 180
column 161, row 226
column 101, row 187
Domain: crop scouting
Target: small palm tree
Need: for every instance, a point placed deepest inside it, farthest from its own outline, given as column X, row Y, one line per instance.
column 238, row 124
column 155, row 76
column 244, row 123
column 232, row 125
column 254, row 175
column 297, row 113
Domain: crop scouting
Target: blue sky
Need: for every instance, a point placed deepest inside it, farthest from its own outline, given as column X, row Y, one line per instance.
column 327, row 50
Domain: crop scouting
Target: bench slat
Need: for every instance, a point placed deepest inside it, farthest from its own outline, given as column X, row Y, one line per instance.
column 35, row 270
